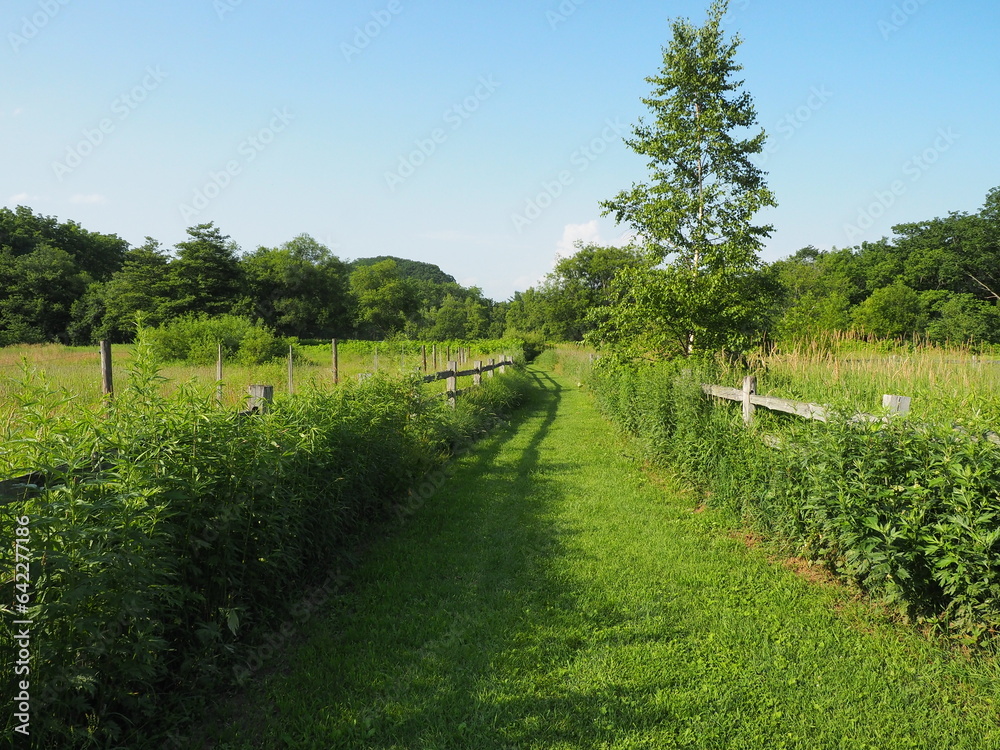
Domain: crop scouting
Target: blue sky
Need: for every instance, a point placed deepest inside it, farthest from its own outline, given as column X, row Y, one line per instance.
column 478, row 136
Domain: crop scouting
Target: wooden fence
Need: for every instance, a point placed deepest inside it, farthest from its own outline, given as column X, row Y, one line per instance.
column 750, row 399
column 452, row 374
column 260, row 398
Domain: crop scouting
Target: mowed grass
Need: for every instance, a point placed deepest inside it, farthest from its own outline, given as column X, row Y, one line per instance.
column 552, row 594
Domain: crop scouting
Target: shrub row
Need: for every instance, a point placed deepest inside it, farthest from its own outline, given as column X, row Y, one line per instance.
column 908, row 511
column 173, row 534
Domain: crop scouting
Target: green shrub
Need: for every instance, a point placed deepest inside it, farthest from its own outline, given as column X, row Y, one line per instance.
column 907, row 510
column 173, row 534
column 195, row 339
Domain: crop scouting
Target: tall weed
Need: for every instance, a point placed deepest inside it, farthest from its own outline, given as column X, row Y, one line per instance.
column 172, row 531
column 906, row 508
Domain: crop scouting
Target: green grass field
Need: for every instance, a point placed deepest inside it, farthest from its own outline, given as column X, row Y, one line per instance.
column 556, row 594
column 944, row 382
column 77, row 371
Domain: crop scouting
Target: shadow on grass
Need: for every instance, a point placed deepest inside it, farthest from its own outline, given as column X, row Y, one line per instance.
column 444, row 618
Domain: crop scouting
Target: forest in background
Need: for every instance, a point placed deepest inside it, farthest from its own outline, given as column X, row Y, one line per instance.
column 62, row 283
column 938, row 279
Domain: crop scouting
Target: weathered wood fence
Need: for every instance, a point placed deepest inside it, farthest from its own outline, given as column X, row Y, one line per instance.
column 750, row 399
column 259, row 401
column 452, row 374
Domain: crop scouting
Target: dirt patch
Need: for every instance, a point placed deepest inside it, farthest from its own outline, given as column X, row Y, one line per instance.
column 810, row 571
column 748, row 538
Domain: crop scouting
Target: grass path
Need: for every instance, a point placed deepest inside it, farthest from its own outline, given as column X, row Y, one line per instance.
column 551, row 595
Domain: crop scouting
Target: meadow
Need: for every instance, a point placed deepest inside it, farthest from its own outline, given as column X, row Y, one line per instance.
column 77, row 369
column 943, row 381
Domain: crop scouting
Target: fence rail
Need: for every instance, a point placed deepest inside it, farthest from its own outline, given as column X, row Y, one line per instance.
column 260, row 398
column 750, row 399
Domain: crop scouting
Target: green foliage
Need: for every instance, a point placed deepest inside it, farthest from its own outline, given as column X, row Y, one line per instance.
column 409, row 269
column 696, row 215
column 37, row 291
column 905, row 509
column 206, row 275
column 890, row 312
column 565, row 305
column 384, row 299
column 299, row 289
column 172, row 535
column 195, row 339
column 950, row 263
column 959, row 318
column 96, row 255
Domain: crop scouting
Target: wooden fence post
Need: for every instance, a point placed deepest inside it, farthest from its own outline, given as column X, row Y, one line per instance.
column 107, row 384
column 434, row 349
column 336, row 364
column 376, row 358
column 261, row 397
column 423, row 357
column 749, row 389
column 492, row 369
column 477, row 379
column 503, row 364
column 452, row 385
column 896, row 404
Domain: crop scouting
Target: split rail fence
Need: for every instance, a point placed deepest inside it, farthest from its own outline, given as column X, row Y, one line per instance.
column 260, row 397
column 750, row 399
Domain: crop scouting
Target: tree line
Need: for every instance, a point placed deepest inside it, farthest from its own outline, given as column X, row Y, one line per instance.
column 937, row 279
column 62, row 283
column 694, row 280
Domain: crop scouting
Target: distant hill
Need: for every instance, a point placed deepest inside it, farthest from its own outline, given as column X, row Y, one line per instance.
column 411, row 269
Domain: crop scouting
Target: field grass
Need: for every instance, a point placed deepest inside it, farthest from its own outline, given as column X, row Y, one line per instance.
column 556, row 594
column 77, row 370
column 944, row 382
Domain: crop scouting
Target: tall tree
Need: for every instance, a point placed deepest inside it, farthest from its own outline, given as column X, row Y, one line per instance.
column 206, row 274
column 299, row 289
column 695, row 218
column 384, row 300
column 37, row 292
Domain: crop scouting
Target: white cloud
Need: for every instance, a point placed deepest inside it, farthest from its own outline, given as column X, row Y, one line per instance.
column 19, row 199
column 18, row 112
column 92, row 199
column 587, row 233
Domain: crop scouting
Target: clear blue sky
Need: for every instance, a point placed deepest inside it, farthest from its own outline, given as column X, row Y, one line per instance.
column 274, row 119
